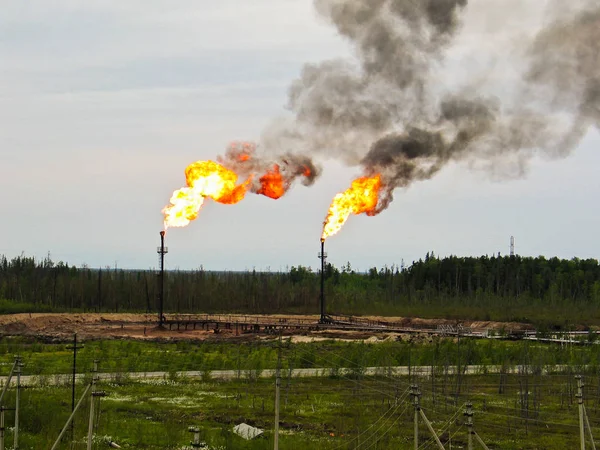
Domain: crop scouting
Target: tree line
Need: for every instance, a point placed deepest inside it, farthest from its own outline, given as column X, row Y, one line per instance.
column 552, row 292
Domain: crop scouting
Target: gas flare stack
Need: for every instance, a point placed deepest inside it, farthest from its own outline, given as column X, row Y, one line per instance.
column 323, row 256
column 162, row 251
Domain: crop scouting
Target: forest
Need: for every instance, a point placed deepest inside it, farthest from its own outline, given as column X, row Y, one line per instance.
column 549, row 293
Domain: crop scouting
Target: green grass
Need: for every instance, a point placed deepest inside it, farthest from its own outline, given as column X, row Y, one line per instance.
column 324, row 413
column 121, row 356
column 15, row 307
column 334, row 412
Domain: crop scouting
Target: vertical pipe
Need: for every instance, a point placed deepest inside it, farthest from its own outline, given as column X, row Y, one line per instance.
column 161, row 286
column 322, row 280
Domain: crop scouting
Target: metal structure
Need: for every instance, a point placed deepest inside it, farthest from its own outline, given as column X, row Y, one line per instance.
column 323, row 257
column 241, row 324
column 162, row 251
column 512, row 246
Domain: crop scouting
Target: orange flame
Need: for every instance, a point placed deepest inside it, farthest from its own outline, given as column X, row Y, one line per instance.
column 272, row 184
column 203, row 179
column 361, row 197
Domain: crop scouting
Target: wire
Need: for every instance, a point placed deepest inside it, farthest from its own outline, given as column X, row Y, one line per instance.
column 396, row 409
column 530, row 419
column 454, row 434
column 362, row 385
column 446, row 425
column 393, row 411
column 388, row 430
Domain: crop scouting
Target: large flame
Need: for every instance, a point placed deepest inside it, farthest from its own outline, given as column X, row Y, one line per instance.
column 361, row 197
column 203, row 179
column 272, row 183
column 218, row 180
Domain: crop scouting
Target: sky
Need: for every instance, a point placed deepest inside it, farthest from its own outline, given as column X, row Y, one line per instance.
column 104, row 103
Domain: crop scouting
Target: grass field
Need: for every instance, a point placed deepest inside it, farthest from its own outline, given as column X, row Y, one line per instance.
column 349, row 410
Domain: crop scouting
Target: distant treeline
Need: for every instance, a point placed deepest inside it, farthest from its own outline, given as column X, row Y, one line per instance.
column 548, row 292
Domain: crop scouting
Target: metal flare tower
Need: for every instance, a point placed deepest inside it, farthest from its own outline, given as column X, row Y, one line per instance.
column 323, row 257
column 162, row 251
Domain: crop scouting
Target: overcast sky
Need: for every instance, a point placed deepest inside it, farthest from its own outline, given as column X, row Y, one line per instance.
column 104, row 103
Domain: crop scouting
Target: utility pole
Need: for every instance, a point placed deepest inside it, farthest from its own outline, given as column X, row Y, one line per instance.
column 416, row 394
column 93, row 394
column 580, row 404
column 17, row 401
column 75, row 347
column 471, row 431
column 62, row 432
column 196, row 442
column 469, row 414
column 277, row 388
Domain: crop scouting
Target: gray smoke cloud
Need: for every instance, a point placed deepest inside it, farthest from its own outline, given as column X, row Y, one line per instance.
column 387, row 112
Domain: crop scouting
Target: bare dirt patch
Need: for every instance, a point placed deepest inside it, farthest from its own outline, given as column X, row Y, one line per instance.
column 143, row 326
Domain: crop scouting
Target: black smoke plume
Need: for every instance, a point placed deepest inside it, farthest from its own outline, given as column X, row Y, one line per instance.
column 389, row 112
